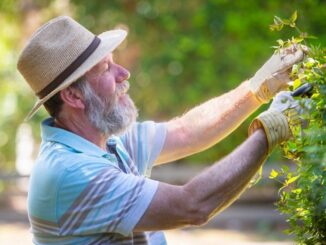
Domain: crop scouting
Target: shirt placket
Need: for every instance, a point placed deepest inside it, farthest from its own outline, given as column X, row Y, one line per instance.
column 112, row 148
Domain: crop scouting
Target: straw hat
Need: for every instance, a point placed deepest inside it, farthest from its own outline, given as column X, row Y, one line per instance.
column 60, row 52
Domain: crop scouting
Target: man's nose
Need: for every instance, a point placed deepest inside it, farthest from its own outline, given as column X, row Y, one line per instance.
column 122, row 74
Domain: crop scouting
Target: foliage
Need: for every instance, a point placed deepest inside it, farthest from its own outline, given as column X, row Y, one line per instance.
column 303, row 191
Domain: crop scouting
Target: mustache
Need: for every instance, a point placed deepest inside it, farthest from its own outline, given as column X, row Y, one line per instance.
column 122, row 88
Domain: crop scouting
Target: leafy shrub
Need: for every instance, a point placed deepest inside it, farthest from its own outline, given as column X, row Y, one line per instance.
column 303, row 191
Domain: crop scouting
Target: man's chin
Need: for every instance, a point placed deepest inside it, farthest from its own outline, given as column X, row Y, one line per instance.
column 128, row 117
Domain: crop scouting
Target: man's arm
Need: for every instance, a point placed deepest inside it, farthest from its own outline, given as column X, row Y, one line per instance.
column 208, row 193
column 208, row 123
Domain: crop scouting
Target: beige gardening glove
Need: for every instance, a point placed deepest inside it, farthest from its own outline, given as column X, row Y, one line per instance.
column 273, row 76
column 278, row 119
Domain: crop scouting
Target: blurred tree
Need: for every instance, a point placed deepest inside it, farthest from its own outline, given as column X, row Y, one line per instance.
column 10, row 89
column 180, row 53
column 19, row 19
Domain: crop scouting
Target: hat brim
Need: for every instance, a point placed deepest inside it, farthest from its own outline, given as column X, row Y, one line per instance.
column 110, row 40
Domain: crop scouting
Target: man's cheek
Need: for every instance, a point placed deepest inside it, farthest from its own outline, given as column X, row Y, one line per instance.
column 107, row 88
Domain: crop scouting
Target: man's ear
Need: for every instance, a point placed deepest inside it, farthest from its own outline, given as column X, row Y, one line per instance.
column 72, row 97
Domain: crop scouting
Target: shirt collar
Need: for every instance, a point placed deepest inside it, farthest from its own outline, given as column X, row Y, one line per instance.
column 62, row 136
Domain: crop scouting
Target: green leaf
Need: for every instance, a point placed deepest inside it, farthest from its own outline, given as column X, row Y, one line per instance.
column 278, row 20
column 286, row 22
column 280, row 42
column 296, row 83
column 297, row 39
column 294, row 16
column 276, row 27
column 291, row 180
column 273, row 174
column 297, row 191
column 292, row 146
column 278, row 24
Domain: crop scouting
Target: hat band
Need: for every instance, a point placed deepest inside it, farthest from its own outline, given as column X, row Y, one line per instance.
column 70, row 69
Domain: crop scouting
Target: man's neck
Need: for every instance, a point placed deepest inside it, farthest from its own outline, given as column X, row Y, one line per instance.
column 83, row 128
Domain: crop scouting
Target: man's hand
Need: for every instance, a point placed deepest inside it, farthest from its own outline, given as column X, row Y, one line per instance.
column 276, row 121
column 273, row 76
column 284, row 101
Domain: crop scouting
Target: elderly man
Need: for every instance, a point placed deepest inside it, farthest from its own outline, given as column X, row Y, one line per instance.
column 88, row 185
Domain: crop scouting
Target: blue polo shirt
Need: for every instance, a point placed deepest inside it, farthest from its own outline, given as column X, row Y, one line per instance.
column 81, row 194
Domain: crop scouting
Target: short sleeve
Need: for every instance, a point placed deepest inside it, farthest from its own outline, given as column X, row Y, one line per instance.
column 96, row 199
column 144, row 143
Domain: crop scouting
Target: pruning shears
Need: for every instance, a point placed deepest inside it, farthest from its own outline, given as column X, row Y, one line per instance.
column 305, row 89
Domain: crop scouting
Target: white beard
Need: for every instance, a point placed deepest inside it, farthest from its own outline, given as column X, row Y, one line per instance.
column 110, row 115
